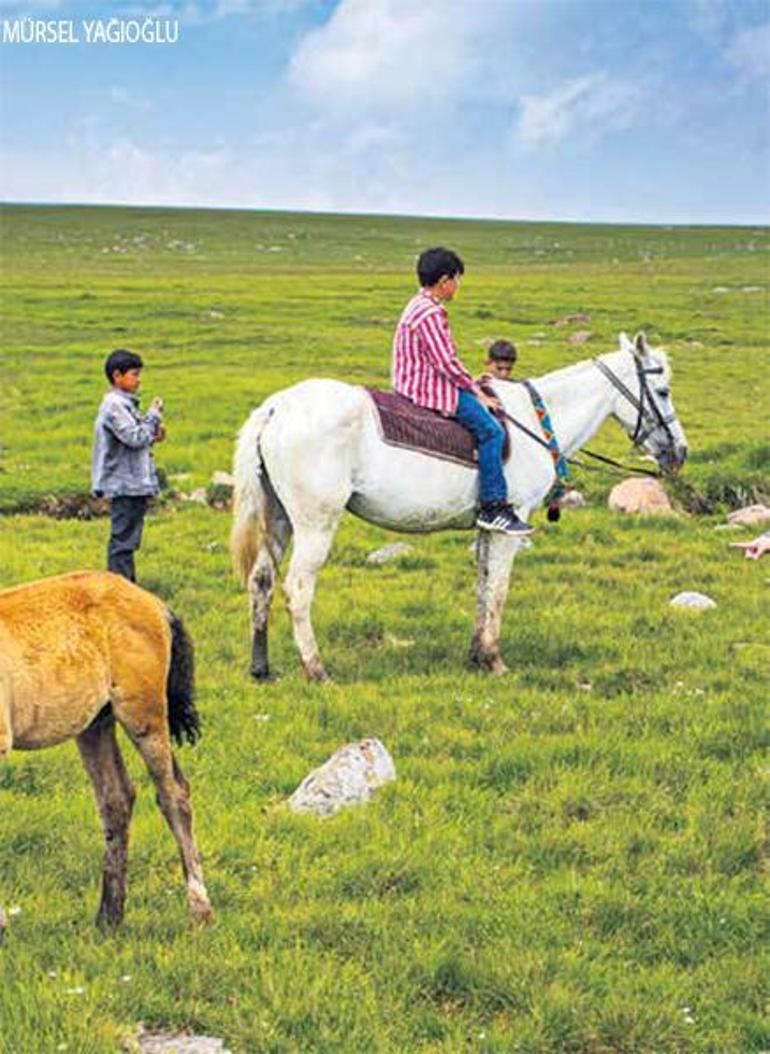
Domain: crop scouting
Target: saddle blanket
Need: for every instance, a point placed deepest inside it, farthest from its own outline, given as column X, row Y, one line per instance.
column 404, row 424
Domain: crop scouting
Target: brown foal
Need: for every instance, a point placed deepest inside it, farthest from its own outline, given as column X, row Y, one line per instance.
column 78, row 653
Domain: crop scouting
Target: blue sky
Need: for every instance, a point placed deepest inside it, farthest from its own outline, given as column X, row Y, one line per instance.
column 630, row 110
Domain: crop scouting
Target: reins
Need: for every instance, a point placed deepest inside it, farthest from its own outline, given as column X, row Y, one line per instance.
column 653, row 420
column 581, row 464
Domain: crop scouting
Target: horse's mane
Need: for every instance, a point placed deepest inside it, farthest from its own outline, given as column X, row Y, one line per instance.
column 659, row 354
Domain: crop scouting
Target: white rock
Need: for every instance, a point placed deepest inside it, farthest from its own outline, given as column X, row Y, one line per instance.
column 179, row 1043
column 350, row 776
column 692, row 599
column 573, row 499
column 645, row 496
column 223, row 479
column 720, row 289
column 749, row 515
column 751, row 288
column 389, row 552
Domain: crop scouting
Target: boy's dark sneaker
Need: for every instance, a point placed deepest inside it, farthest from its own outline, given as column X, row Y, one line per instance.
column 501, row 517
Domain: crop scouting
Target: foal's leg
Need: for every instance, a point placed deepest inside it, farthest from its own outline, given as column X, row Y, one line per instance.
column 154, row 744
column 495, row 557
column 311, row 548
column 6, row 731
column 115, row 796
column 261, row 589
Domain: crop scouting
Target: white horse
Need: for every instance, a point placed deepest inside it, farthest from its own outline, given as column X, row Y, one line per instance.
column 313, row 450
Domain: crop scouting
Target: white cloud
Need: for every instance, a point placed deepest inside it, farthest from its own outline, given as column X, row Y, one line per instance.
column 749, row 51
column 122, row 97
column 377, row 54
column 590, row 106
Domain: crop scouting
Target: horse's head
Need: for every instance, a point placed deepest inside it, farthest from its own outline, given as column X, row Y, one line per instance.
column 643, row 403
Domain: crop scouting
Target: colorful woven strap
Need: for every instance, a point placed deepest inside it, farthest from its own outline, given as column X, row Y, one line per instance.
column 559, row 461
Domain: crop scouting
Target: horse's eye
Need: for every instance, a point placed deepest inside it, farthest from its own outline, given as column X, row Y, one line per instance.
column 664, row 393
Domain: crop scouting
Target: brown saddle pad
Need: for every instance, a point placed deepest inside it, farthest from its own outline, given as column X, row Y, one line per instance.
column 403, row 423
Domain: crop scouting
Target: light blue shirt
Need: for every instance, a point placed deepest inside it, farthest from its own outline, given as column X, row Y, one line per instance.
column 122, row 464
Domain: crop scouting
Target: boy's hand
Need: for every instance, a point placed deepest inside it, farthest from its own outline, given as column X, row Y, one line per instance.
column 490, row 401
column 157, row 405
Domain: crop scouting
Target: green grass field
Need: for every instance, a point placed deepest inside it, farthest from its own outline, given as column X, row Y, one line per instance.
column 574, row 858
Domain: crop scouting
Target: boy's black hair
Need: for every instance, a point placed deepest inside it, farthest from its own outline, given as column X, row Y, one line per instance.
column 122, row 360
column 433, row 264
column 502, row 351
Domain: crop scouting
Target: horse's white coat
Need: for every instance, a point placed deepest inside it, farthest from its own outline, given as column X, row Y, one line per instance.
column 319, row 445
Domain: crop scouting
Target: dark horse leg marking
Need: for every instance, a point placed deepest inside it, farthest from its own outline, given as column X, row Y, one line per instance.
column 115, row 796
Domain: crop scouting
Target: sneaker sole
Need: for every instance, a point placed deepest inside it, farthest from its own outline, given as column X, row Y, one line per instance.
column 522, row 532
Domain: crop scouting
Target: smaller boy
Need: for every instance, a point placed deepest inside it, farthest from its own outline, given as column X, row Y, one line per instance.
column 501, row 358
column 122, row 466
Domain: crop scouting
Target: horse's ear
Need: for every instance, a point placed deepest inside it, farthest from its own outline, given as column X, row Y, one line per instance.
column 625, row 343
column 641, row 347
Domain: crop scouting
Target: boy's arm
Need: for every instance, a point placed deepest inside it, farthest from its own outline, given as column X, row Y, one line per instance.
column 440, row 346
column 132, row 433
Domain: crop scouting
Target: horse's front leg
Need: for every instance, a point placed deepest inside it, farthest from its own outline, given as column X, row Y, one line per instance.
column 311, row 547
column 495, row 557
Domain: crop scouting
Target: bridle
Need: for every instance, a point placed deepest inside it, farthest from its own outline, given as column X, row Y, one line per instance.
column 649, row 417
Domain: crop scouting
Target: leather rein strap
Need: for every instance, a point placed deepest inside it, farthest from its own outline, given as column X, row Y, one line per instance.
column 653, row 419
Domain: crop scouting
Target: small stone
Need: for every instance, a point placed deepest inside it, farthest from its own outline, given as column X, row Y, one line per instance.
column 720, row 289
column 580, row 337
column 644, row 496
column 749, row 516
column 389, row 552
column 222, row 479
column 198, row 496
column 692, row 599
column 751, row 288
column 573, row 499
column 349, row 777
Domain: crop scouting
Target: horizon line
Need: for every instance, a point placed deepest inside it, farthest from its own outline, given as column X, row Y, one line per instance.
column 385, row 215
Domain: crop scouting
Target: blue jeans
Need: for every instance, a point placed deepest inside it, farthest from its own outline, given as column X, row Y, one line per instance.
column 489, row 435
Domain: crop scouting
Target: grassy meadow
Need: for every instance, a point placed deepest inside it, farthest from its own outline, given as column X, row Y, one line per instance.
column 574, row 858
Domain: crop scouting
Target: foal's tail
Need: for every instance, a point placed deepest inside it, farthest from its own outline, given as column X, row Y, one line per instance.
column 183, row 721
column 250, row 496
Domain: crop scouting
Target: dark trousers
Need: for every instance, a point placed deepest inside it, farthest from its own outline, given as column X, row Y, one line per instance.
column 127, row 521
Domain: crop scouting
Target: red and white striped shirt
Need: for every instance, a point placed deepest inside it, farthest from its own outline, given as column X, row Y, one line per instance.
column 426, row 368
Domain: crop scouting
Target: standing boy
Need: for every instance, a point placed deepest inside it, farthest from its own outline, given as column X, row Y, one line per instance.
column 426, row 370
column 122, row 467
column 501, row 358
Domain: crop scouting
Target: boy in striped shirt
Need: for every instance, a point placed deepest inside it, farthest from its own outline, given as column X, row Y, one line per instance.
column 427, row 370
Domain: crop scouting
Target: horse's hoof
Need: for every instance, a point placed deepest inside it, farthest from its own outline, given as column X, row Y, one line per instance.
column 497, row 667
column 202, row 914
column 262, row 674
column 314, row 671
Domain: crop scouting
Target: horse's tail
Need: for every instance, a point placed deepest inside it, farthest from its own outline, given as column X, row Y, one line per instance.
column 183, row 721
column 250, row 505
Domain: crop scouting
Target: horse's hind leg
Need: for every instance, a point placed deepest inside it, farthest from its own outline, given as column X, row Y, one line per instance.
column 311, row 548
column 115, row 797
column 262, row 587
column 174, row 800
